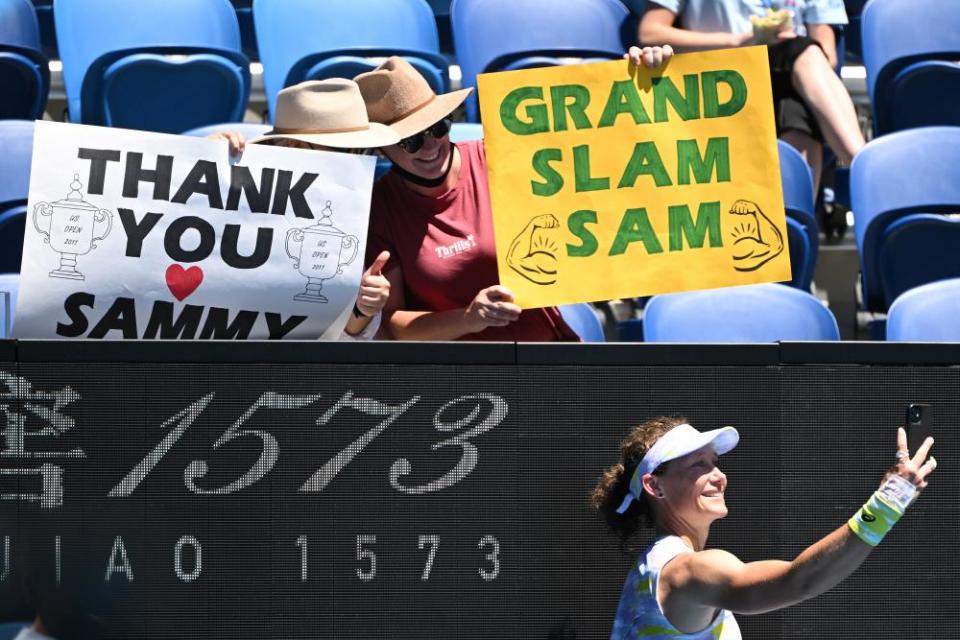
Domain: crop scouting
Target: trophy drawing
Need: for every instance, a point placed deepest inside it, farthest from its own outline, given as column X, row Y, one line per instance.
column 70, row 227
column 320, row 254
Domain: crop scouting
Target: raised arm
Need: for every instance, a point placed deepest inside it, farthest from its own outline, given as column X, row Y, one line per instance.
column 656, row 26
column 704, row 581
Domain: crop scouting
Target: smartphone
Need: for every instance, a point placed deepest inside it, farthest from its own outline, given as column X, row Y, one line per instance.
column 917, row 421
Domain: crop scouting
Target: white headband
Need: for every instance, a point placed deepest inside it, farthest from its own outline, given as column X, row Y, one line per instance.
column 676, row 443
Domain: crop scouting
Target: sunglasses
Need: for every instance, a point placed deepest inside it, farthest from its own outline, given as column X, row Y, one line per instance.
column 436, row 131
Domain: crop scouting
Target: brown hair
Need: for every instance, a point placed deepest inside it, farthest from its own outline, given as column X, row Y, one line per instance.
column 614, row 484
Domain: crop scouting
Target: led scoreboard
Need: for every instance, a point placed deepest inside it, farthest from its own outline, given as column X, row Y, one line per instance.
column 314, row 490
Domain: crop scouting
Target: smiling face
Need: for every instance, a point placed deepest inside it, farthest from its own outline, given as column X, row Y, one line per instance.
column 690, row 490
column 428, row 162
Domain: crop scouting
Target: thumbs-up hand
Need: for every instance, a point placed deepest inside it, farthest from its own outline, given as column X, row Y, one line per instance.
column 374, row 287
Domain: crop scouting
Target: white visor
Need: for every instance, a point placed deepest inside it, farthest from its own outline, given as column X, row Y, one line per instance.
column 676, row 443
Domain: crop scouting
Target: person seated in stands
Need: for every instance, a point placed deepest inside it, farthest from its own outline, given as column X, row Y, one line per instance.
column 431, row 211
column 329, row 115
column 810, row 102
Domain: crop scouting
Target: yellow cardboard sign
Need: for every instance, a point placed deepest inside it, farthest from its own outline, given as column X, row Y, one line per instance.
column 608, row 181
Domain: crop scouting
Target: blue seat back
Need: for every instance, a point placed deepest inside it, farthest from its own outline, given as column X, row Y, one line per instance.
column 894, row 176
column 96, row 36
column 754, row 313
column 12, row 225
column 493, row 35
column 801, row 254
column 18, row 25
column 584, row 322
column 135, row 92
column 16, row 140
column 926, row 314
column 922, row 94
column 24, row 71
column 898, row 33
column 304, row 39
column 916, row 249
column 803, row 232
column 9, row 285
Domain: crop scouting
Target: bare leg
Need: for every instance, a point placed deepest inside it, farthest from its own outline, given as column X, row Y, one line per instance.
column 810, row 149
column 824, row 92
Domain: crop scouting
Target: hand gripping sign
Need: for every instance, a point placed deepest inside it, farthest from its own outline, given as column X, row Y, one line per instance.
column 169, row 237
column 611, row 181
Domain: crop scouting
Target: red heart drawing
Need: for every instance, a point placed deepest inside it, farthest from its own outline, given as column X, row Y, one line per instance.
column 182, row 282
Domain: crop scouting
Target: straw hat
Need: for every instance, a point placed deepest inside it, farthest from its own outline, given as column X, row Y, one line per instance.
column 397, row 95
column 328, row 112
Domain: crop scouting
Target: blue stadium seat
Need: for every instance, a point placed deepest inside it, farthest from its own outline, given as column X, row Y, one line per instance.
column 901, row 185
column 16, row 140
column 9, row 291
column 12, row 225
column 754, row 313
column 583, row 321
column 923, row 94
column 24, row 71
column 159, row 65
column 249, row 130
column 926, row 314
column 911, row 51
column 803, row 233
column 500, row 35
column 309, row 40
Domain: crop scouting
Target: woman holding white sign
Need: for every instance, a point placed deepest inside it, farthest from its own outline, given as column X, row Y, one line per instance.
column 432, row 213
column 329, row 115
column 668, row 477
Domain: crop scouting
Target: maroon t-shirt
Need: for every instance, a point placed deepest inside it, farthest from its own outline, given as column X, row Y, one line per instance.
column 446, row 250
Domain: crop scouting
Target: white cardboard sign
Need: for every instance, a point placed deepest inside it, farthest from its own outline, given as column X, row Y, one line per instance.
column 136, row 235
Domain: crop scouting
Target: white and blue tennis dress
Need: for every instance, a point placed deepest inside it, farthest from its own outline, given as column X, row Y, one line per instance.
column 639, row 614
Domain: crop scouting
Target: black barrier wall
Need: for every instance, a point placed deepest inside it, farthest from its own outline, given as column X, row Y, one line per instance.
column 440, row 491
